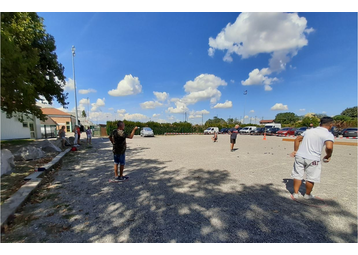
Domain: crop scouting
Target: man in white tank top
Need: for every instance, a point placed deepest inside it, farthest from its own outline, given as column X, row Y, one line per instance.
column 307, row 152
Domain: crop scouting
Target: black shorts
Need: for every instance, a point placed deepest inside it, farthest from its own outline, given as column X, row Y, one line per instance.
column 232, row 140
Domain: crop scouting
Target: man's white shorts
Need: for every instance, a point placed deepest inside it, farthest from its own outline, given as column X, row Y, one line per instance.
column 312, row 169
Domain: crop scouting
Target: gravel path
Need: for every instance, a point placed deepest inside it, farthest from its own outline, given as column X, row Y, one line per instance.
column 189, row 189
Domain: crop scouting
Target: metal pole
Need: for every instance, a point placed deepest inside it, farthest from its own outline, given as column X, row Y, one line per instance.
column 74, row 80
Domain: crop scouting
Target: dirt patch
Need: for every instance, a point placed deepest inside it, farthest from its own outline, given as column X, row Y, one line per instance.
column 10, row 183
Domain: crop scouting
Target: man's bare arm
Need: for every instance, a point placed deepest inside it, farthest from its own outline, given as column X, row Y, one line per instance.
column 296, row 145
column 329, row 150
column 132, row 134
column 111, row 139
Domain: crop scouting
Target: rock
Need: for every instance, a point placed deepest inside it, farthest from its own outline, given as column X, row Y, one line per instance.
column 47, row 146
column 7, row 161
column 29, row 153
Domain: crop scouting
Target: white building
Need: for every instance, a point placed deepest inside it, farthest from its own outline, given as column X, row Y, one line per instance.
column 13, row 129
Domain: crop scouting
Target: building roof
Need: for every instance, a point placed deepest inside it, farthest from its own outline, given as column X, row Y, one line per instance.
column 49, row 122
column 54, row 111
column 266, row 121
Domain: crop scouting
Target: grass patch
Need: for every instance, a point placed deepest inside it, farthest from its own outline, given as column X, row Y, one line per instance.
column 10, row 183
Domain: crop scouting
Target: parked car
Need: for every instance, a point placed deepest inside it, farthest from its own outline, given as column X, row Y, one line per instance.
column 211, row 130
column 258, row 131
column 272, row 131
column 247, row 130
column 335, row 131
column 146, row 131
column 224, row 131
column 286, row 131
column 350, row 132
column 300, row 130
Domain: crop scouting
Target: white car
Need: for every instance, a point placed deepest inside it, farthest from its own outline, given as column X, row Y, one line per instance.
column 211, row 130
column 146, row 131
column 247, row 130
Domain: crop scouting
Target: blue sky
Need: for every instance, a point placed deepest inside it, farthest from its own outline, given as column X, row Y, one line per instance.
column 156, row 66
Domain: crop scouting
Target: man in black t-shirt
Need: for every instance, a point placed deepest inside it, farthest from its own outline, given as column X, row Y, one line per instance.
column 233, row 134
column 118, row 139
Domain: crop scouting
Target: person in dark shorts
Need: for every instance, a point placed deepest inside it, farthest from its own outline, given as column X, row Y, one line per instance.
column 233, row 134
column 118, row 139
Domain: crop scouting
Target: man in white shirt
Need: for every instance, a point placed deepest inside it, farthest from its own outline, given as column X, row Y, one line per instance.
column 308, row 155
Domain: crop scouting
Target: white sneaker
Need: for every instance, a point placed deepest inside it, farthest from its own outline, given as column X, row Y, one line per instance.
column 310, row 196
column 296, row 195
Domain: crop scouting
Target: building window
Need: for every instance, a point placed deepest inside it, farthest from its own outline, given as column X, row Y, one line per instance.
column 68, row 128
column 25, row 124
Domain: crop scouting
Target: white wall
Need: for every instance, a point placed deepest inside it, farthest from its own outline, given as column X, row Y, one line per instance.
column 13, row 129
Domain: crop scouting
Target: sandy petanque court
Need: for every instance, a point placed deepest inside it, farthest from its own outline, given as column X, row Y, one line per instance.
column 189, row 189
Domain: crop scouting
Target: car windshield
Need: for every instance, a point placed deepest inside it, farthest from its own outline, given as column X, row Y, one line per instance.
column 284, row 129
column 351, row 129
column 302, row 128
column 208, row 129
column 245, row 128
column 147, row 129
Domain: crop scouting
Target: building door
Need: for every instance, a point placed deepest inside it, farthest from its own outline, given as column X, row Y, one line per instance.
column 32, row 130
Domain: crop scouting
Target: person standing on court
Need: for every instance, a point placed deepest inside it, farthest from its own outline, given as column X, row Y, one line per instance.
column 75, row 142
column 62, row 135
column 89, row 135
column 233, row 134
column 307, row 153
column 118, row 139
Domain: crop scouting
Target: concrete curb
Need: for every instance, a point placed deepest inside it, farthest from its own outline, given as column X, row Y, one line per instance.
column 16, row 200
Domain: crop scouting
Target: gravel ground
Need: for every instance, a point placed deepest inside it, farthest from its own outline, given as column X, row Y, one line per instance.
column 187, row 189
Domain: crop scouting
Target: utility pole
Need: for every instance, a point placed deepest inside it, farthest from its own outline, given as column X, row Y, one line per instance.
column 74, row 80
column 245, row 93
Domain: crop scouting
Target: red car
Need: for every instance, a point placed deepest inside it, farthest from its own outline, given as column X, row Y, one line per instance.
column 286, row 132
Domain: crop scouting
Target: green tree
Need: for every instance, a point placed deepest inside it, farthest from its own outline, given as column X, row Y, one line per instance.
column 29, row 66
column 216, row 122
column 350, row 112
column 306, row 121
column 341, row 118
column 286, row 118
column 84, row 115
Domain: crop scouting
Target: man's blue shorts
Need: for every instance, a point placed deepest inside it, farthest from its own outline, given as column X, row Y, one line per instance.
column 119, row 159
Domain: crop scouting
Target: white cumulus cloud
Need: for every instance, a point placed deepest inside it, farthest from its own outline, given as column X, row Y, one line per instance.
column 135, row 116
column 150, row 105
column 252, row 111
column 259, row 77
column 69, row 85
column 227, row 104
column 302, row 110
column 279, row 107
column 128, row 86
column 203, row 87
column 180, row 108
column 98, row 104
column 281, row 35
column 87, row 91
column 161, row 96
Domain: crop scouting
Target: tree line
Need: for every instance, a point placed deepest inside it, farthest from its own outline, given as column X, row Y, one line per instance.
column 348, row 118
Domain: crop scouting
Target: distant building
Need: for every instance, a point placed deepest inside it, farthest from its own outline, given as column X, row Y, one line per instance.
column 12, row 128
column 264, row 122
column 61, row 118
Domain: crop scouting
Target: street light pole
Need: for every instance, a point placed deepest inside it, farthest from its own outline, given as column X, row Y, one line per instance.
column 245, row 93
column 74, row 80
